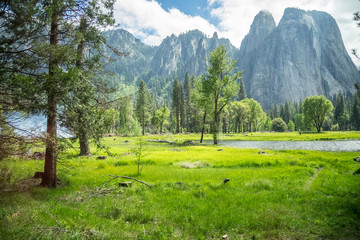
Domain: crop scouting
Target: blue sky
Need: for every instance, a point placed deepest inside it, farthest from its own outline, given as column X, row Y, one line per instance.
column 153, row 20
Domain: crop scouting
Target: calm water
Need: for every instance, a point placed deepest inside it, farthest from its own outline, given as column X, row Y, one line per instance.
column 331, row 146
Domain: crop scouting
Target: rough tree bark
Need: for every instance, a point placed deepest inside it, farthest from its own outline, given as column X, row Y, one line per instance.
column 49, row 177
column 203, row 127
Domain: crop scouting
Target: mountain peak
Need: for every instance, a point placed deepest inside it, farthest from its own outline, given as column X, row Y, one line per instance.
column 261, row 27
column 215, row 35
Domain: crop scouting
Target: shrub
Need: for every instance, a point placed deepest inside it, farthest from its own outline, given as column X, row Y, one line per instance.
column 291, row 126
column 278, row 125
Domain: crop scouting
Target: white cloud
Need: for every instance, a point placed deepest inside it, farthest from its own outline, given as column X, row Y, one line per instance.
column 149, row 21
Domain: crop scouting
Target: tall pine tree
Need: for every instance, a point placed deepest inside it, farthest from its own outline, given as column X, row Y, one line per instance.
column 176, row 103
column 142, row 106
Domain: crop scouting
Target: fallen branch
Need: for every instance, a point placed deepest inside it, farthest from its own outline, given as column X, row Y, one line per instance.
column 115, row 177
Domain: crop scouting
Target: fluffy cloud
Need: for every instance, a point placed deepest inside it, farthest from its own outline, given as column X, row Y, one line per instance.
column 149, row 21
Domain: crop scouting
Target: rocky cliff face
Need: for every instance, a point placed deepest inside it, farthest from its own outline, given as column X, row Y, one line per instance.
column 186, row 53
column 303, row 56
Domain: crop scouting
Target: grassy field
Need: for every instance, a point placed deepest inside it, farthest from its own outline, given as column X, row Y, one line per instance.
column 265, row 136
column 276, row 195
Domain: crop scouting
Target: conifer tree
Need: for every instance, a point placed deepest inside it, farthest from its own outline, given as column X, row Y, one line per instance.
column 176, row 103
column 187, row 101
column 39, row 40
column 142, row 106
column 355, row 111
column 242, row 91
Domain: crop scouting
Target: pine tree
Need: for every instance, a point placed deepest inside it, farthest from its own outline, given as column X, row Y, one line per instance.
column 39, row 39
column 355, row 114
column 242, row 91
column 287, row 111
column 340, row 116
column 187, row 101
column 142, row 106
column 176, row 104
column 182, row 108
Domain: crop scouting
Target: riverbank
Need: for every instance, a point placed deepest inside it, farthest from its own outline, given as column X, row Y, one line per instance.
column 272, row 195
column 262, row 136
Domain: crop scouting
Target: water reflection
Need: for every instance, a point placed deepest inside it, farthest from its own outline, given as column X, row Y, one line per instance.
column 331, row 146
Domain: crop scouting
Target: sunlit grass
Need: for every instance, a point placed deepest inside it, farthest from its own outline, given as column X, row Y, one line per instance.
column 279, row 195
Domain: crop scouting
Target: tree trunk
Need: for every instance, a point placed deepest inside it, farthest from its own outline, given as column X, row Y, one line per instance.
column 177, row 121
column 49, row 177
column 215, row 123
column 143, row 125
column 203, row 128
column 83, row 136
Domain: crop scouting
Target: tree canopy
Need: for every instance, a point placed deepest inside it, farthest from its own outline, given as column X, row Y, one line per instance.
column 316, row 109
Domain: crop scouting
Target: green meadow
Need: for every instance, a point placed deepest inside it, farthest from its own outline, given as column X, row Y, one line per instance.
column 276, row 195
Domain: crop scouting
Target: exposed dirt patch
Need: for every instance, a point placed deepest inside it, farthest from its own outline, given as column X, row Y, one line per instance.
column 197, row 164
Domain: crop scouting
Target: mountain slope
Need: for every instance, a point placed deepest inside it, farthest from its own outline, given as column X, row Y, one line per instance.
column 303, row 56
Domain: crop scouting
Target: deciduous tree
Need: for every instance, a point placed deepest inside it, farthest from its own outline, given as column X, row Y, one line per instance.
column 220, row 83
column 316, row 109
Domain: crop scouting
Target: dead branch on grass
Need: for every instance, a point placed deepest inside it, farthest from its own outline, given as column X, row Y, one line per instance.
column 115, row 177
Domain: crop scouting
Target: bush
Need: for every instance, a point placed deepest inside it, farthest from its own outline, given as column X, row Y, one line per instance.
column 291, row 126
column 278, row 125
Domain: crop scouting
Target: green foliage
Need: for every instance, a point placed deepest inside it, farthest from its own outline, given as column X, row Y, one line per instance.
column 355, row 113
column 160, row 118
column 291, row 126
column 299, row 122
column 177, row 103
column 316, row 110
column 279, row 195
column 127, row 123
column 138, row 150
column 219, row 85
column 242, row 91
column 278, row 125
column 255, row 112
column 143, row 106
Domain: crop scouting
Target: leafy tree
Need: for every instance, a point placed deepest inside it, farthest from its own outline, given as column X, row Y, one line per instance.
column 316, row 110
column 278, row 125
column 143, row 106
column 267, row 123
column 255, row 112
column 203, row 102
column 127, row 123
column 291, row 126
column 299, row 121
column 160, row 118
column 220, row 84
column 241, row 112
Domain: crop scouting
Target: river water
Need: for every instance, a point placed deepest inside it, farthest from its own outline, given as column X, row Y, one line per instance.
column 331, row 146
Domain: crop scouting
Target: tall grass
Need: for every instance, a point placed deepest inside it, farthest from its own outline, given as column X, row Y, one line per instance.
column 279, row 195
